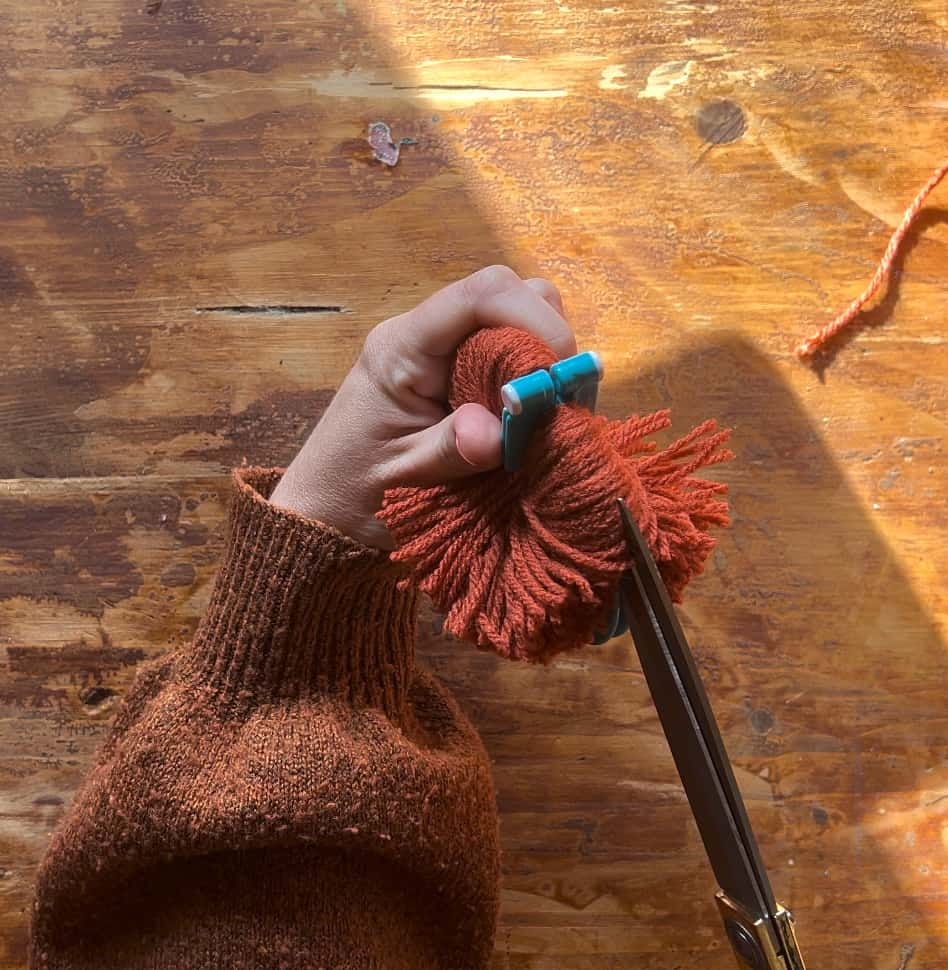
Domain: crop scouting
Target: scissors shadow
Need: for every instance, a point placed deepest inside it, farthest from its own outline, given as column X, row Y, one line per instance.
column 824, row 670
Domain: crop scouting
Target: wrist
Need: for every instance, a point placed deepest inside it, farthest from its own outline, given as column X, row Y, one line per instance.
column 335, row 505
column 305, row 630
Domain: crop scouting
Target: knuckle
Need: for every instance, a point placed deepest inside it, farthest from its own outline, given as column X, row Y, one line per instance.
column 448, row 456
column 378, row 349
column 377, row 342
column 494, row 279
column 544, row 287
column 384, row 361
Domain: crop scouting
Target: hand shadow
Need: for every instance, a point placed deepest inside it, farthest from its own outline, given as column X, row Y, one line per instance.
column 810, row 638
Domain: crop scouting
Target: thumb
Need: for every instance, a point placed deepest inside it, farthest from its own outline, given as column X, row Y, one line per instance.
column 465, row 442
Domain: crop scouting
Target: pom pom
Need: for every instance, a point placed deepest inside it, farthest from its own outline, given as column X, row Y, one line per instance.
column 525, row 563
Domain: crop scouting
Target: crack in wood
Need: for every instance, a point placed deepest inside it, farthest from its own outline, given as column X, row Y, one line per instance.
column 458, row 87
column 272, row 309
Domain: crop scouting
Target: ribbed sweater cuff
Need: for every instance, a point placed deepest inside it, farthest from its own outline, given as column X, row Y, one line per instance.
column 299, row 608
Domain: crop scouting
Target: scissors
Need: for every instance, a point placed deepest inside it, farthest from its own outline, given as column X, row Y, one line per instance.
column 759, row 930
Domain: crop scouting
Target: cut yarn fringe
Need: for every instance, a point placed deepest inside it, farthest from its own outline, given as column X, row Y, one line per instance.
column 818, row 340
column 525, row 563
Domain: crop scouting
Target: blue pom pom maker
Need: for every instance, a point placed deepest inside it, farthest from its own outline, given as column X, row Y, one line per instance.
column 526, row 399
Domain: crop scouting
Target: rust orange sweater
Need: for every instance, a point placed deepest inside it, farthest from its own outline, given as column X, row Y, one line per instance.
column 289, row 791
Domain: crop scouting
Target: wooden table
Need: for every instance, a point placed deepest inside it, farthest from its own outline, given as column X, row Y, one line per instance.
column 196, row 239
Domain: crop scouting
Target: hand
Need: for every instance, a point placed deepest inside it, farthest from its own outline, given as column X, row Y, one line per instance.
column 389, row 423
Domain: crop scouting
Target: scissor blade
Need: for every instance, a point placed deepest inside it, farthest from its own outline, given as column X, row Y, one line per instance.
column 692, row 732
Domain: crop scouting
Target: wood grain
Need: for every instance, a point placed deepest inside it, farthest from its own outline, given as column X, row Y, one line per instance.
column 197, row 239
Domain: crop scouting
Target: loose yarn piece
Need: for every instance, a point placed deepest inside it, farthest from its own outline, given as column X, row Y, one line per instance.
column 525, row 563
column 811, row 345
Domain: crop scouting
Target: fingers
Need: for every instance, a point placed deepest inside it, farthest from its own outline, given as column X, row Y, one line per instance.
column 549, row 293
column 477, row 437
column 465, row 442
column 492, row 297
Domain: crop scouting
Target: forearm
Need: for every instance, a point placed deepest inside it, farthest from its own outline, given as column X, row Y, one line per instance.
column 295, row 726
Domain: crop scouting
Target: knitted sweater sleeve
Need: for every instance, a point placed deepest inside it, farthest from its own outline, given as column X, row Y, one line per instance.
column 290, row 790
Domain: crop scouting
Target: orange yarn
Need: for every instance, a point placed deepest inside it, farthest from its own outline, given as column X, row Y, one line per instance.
column 811, row 345
column 525, row 563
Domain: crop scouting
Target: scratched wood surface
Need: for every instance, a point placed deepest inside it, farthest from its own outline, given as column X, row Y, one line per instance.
column 196, row 239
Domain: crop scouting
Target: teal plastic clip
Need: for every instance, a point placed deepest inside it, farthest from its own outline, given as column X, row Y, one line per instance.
column 528, row 398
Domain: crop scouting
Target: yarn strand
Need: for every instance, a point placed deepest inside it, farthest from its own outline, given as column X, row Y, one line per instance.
column 818, row 340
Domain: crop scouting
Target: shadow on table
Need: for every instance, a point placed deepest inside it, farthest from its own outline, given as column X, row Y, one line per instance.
column 813, row 644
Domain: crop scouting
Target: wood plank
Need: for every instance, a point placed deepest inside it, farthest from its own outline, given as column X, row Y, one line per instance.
column 197, row 240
